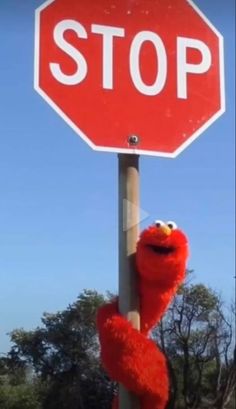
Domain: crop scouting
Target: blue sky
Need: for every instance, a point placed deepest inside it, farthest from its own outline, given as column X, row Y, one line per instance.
column 58, row 198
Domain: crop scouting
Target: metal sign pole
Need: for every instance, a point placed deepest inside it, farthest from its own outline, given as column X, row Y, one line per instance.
column 128, row 236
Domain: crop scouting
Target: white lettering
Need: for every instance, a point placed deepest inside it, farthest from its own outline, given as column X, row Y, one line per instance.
column 184, row 68
column 160, row 80
column 108, row 33
column 79, row 59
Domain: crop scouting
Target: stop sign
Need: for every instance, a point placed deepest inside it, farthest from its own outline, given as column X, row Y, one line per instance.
column 141, row 76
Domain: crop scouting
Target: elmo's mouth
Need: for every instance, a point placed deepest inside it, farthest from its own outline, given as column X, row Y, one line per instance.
column 161, row 249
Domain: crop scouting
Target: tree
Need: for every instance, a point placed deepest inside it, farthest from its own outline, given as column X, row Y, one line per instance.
column 64, row 353
column 17, row 391
column 196, row 335
column 197, row 338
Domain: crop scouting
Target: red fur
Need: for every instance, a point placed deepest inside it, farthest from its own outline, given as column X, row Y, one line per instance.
column 128, row 355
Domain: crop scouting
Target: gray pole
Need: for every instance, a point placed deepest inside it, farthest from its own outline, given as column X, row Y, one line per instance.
column 128, row 236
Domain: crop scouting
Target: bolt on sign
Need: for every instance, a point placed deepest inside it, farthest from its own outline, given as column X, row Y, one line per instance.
column 115, row 69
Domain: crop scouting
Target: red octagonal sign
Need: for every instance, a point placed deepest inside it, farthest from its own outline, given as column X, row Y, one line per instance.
column 137, row 76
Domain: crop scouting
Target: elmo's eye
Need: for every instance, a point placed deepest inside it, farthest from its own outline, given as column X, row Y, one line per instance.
column 159, row 223
column 172, row 225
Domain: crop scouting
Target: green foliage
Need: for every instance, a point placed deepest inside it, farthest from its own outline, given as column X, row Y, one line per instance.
column 18, row 397
column 197, row 339
column 64, row 353
column 66, row 337
column 57, row 365
column 17, row 391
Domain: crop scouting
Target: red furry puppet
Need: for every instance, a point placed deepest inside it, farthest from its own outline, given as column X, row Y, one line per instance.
column 129, row 356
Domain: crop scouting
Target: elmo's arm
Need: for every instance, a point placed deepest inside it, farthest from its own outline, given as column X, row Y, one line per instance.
column 128, row 356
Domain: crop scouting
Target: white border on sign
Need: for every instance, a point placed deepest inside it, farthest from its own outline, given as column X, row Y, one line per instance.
column 120, row 150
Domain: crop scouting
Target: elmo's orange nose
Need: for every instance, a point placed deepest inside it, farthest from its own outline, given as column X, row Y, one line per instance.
column 165, row 229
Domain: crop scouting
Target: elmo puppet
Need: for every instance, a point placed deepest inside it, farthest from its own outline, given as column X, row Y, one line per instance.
column 128, row 355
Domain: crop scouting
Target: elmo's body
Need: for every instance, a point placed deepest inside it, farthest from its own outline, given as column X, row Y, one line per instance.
column 128, row 355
